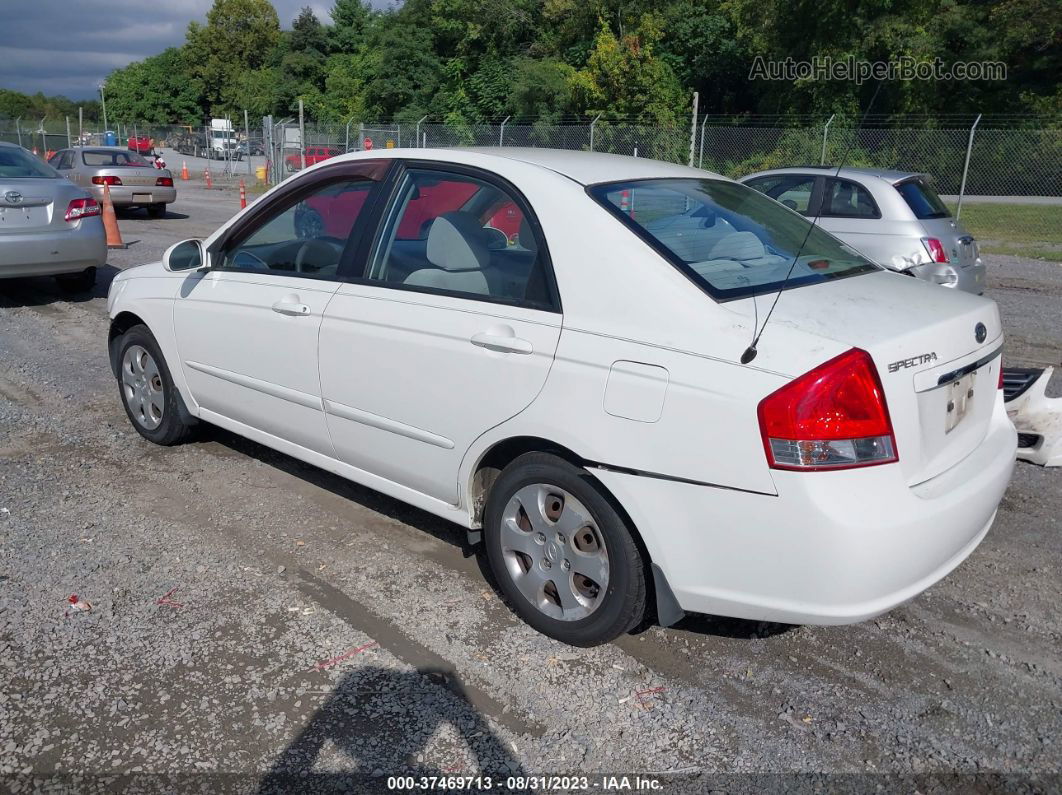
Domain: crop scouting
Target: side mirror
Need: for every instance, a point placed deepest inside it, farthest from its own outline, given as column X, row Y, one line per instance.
column 184, row 256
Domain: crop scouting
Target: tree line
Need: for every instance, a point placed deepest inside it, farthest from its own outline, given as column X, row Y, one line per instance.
column 467, row 61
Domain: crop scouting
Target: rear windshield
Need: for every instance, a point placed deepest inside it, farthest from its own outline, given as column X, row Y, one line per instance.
column 922, row 199
column 107, row 157
column 17, row 163
column 728, row 238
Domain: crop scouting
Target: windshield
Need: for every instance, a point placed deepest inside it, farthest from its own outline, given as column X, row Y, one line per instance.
column 112, row 157
column 922, row 199
column 17, row 163
column 728, row 238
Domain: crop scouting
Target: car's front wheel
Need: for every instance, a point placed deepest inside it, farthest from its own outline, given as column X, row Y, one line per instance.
column 561, row 553
column 151, row 400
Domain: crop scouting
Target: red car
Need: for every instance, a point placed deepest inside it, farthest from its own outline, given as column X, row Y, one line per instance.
column 142, row 145
column 314, row 155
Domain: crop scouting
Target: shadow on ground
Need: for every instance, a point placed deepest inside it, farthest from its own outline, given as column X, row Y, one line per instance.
column 379, row 723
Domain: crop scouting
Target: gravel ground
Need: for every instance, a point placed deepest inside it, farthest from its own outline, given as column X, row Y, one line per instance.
column 257, row 624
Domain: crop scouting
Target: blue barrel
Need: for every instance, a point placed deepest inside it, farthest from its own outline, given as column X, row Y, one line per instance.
column 110, row 139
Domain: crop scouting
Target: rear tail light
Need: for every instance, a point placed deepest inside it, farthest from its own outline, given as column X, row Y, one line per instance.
column 935, row 249
column 81, row 208
column 833, row 417
column 164, row 182
column 107, row 180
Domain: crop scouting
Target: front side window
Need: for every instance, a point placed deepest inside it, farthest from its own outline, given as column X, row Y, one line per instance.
column 728, row 238
column 305, row 238
column 17, row 163
column 791, row 190
column 846, row 199
column 922, row 199
column 113, row 157
column 460, row 234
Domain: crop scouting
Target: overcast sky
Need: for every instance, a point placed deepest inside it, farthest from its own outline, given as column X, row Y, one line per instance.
column 69, row 46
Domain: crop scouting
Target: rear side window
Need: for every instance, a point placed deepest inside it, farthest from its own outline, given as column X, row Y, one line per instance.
column 461, row 235
column 846, row 199
column 922, row 199
column 105, row 157
column 17, row 163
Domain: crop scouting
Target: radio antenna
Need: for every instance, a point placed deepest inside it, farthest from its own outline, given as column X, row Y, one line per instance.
column 750, row 352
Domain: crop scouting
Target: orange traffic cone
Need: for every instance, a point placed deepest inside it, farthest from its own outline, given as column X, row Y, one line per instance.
column 110, row 220
column 206, row 174
column 184, row 170
column 243, row 195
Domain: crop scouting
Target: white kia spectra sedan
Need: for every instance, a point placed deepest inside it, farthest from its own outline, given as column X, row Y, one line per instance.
column 546, row 347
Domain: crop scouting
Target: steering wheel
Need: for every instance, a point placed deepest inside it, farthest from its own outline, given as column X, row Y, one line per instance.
column 310, row 248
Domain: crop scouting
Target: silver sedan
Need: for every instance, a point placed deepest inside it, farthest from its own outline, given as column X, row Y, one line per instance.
column 893, row 217
column 133, row 181
column 48, row 227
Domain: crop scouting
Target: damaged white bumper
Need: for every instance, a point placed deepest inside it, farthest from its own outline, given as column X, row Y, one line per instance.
column 1037, row 417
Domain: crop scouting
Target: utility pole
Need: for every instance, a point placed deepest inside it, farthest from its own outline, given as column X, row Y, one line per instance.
column 80, row 125
column 693, row 126
column 966, row 166
column 103, row 102
column 302, row 138
column 247, row 140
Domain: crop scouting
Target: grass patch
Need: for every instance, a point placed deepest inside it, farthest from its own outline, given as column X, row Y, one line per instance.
column 1024, row 230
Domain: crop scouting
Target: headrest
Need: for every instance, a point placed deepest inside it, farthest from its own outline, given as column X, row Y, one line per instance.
column 456, row 243
column 740, row 246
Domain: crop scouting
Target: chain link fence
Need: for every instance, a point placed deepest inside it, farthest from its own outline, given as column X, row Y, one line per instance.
column 1004, row 180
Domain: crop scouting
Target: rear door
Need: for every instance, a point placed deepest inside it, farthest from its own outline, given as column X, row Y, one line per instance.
column 450, row 331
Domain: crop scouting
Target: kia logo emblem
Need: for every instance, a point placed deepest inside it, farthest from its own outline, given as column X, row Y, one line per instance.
column 13, row 197
column 980, row 332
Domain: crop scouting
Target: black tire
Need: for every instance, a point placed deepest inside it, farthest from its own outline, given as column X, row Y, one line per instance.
column 156, row 210
column 81, row 282
column 623, row 604
column 176, row 423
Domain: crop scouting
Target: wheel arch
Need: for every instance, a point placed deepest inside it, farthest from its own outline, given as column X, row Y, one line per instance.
column 121, row 323
column 662, row 602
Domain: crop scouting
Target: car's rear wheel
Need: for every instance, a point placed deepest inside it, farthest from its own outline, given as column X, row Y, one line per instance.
column 157, row 210
column 80, row 282
column 561, row 553
column 151, row 401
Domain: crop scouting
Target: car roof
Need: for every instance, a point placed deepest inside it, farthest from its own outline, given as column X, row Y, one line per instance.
column 888, row 175
column 586, row 168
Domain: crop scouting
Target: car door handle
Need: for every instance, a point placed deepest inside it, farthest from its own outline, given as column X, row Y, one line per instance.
column 503, row 343
column 291, row 308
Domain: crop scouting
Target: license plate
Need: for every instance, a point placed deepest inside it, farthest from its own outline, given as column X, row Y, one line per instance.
column 142, row 197
column 959, row 395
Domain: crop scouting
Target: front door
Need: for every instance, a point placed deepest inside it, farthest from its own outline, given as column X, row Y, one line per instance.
column 247, row 329
column 452, row 330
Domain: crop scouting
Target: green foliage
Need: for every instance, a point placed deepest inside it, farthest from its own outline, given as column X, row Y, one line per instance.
column 470, row 61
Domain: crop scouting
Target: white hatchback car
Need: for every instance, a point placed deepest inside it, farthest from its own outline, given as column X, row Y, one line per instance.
column 519, row 341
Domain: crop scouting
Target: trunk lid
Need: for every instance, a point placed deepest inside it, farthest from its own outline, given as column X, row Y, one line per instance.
column 939, row 372
column 136, row 177
column 40, row 206
column 958, row 243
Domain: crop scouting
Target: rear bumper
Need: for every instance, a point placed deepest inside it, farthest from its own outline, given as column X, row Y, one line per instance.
column 969, row 278
column 830, row 548
column 53, row 253
column 123, row 195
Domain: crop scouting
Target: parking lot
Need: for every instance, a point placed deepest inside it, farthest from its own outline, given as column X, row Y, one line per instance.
column 254, row 618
